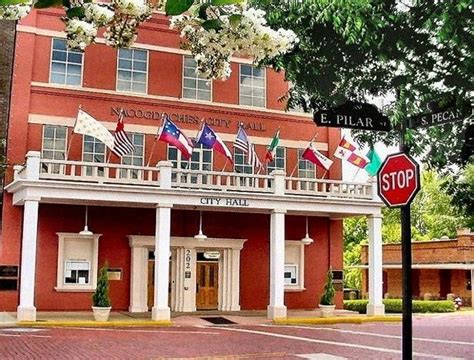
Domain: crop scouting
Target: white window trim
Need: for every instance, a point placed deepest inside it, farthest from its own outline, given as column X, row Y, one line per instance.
column 51, row 66
column 146, row 77
column 264, row 88
column 182, row 84
column 299, row 267
column 66, row 139
column 131, row 138
column 284, row 159
column 60, row 285
column 180, row 160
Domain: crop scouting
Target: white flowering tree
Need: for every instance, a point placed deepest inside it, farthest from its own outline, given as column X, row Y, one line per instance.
column 213, row 31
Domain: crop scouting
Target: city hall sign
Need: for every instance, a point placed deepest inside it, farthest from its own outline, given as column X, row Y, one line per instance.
column 187, row 118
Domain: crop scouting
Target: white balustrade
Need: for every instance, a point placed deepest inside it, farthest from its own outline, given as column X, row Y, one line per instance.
column 164, row 176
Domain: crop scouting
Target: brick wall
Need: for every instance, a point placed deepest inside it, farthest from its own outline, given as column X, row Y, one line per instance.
column 7, row 38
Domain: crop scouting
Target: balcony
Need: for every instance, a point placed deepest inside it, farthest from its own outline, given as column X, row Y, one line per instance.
column 176, row 186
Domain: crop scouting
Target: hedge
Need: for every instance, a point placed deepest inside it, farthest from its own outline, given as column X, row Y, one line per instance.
column 395, row 306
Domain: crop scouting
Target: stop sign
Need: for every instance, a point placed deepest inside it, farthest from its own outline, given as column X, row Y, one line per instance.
column 398, row 180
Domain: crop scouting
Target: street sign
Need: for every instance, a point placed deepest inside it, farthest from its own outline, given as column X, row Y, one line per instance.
column 355, row 115
column 398, row 180
column 438, row 118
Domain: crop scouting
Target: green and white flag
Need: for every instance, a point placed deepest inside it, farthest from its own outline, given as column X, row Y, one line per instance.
column 375, row 162
column 271, row 150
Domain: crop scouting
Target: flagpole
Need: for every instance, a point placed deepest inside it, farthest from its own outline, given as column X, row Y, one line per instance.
column 73, row 133
column 297, row 160
column 355, row 175
column 154, row 142
column 225, row 164
column 325, row 172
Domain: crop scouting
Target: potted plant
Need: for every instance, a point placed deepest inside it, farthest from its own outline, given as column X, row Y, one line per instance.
column 326, row 304
column 100, row 300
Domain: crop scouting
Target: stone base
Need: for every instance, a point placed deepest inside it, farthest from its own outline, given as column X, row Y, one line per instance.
column 160, row 314
column 276, row 312
column 24, row 313
column 374, row 310
column 137, row 309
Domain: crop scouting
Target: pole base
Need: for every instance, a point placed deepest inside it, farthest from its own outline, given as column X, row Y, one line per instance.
column 374, row 310
column 160, row 314
column 26, row 313
column 276, row 312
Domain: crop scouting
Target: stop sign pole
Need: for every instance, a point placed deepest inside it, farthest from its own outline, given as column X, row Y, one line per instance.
column 398, row 183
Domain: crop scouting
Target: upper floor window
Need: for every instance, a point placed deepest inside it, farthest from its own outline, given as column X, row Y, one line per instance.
column 93, row 150
column 54, row 146
column 135, row 158
column 306, row 168
column 66, row 65
column 278, row 162
column 132, row 70
column 194, row 86
column 252, row 86
column 201, row 159
column 240, row 163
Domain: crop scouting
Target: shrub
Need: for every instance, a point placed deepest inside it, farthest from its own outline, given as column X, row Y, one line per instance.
column 101, row 294
column 329, row 292
column 395, row 306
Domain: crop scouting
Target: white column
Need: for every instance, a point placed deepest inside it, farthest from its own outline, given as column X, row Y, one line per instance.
column 277, row 309
column 26, row 310
column 375, row 278
column 139, row 280
column 161, row 310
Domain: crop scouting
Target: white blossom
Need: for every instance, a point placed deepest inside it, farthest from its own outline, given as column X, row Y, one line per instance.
column 99, row 14
column 132, row 7
column 80, row 33
column 15, row 12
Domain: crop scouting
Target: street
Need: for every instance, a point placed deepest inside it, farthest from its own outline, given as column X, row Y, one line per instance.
column 435, row 337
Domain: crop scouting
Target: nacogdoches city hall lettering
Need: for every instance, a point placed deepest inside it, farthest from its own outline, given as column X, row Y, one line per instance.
column 224, row 202
column 187, row 118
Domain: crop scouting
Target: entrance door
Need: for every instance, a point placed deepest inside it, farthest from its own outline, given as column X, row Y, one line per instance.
column 151, row 281
column 207, row 275
column 444, row 283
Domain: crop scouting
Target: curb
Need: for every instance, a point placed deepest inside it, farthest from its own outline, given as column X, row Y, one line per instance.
column 93, row 324
column 336, row 320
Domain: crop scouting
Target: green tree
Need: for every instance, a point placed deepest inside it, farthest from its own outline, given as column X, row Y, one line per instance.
column 101, row 295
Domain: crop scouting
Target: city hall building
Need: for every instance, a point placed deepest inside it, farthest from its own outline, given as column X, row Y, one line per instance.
column 69, row 207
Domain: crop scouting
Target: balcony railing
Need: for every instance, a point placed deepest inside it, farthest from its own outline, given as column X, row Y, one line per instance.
column 166, row 177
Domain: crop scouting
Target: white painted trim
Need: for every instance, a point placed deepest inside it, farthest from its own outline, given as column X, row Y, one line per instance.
column 451, row 266
column 152, row 130
column 208, row 102
column 60, row 286
column 147, row 72
column 235, row 107
column 188, row 242
column 51, row 65
column 100, row 40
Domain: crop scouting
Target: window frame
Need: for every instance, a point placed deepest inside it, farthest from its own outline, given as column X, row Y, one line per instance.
column 66, row 62
column 61, row 285
column 307, row 162
column 86, row 169
column 239, row 152
column 134, row 173
column 295, row 266
column 131, row 71
column 197, row 78
column 264, row 70
column 299, row 262
column 272, row 168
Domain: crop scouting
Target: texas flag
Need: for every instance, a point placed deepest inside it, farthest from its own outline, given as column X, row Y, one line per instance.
column 211, row 140
column 171, row 134
column 313, row 155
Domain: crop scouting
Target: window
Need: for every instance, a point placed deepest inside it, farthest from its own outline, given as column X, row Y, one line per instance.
column 135, row 158
column 252, row 86
column 306, row 168
column 201, row 160
column 132, row 70
column 240, row 163
column 66, row 65
column 194, row 86
column 54, row 146
column 93, row 150
column 77, row 262
column 294, row 265
column 279, row 162
column 291, row 275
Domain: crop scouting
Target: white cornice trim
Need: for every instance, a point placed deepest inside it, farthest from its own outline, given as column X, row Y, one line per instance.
column 188, row 242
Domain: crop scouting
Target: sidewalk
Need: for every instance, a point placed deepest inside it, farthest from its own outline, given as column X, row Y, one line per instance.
column 126, row 319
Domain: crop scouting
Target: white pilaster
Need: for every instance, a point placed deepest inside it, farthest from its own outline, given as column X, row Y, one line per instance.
column 375, row 278
column 161, row 310
column 277, row 309
column 138, row 280
column 26, row 310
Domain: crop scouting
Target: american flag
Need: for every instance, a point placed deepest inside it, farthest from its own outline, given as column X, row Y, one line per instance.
column 122, row 144
column 253, row 158
column 241, row 141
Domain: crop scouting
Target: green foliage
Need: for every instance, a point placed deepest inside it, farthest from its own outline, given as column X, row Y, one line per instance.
column 40, row 4
column 395, row 306
column 177, row 7
column 461, row 189
column 101, row 295
column 327, row 298
column 12, row 2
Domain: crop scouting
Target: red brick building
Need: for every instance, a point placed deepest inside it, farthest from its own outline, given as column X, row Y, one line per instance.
column 144, row 209
column 440, row 267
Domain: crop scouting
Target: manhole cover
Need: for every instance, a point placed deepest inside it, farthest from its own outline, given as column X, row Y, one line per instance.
column 218, row 320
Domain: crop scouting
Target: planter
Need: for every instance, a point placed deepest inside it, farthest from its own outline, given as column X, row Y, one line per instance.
column 101, row 313
column 327, row 310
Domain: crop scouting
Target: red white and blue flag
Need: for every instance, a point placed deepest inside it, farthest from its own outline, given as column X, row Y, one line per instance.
column 211, row 140
column 173, row 135
column 122, row 144
column 242, row 142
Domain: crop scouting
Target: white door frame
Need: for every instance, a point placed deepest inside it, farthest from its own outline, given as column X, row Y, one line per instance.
column 183, row 257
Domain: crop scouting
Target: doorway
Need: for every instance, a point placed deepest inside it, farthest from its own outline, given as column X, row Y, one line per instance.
column 207, row 279
column 151, row 281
